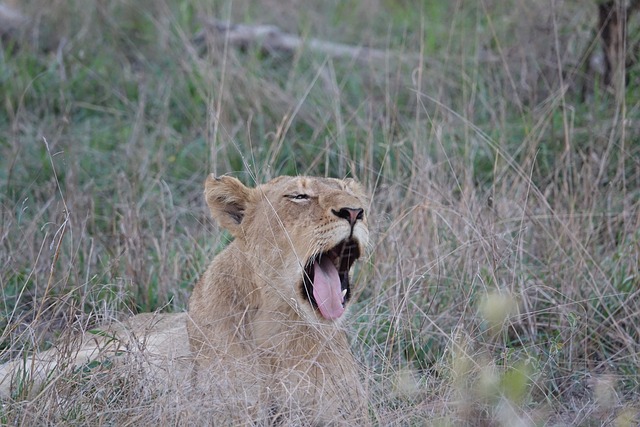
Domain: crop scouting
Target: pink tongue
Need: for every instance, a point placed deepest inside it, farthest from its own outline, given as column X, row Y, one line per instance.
column 327, row 290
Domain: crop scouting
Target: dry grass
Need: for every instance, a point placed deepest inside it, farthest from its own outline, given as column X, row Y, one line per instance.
column 502, row 288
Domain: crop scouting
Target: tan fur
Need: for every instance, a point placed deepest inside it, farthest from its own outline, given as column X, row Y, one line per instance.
column 261, row 349
column 158, row 341
column 249, row 317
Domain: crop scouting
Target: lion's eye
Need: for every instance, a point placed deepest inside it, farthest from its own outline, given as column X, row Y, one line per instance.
column 298, row 196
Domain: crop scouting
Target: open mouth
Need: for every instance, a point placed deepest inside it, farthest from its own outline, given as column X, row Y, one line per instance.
column 325, row 282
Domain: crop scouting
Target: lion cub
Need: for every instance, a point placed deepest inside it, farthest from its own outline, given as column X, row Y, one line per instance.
column 265, row 316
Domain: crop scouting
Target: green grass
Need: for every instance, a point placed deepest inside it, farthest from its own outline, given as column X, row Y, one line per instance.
column 503, row 281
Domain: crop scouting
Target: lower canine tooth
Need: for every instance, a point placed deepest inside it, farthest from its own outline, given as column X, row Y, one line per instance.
column 344, row 292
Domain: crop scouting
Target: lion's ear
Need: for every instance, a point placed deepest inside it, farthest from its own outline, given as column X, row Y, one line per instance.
column 228, row 199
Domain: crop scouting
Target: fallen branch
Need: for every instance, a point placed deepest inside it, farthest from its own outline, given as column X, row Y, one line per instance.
column 273, row 40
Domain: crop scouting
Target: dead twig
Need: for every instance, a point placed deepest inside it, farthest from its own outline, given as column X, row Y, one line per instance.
column 273, row 40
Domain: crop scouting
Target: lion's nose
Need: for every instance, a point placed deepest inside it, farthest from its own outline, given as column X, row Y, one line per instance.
column 350, row 214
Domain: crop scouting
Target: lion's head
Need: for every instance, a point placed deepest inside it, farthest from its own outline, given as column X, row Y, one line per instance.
column 301, row 236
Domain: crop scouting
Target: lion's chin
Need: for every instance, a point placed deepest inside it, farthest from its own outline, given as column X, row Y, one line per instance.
column 325, row 283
